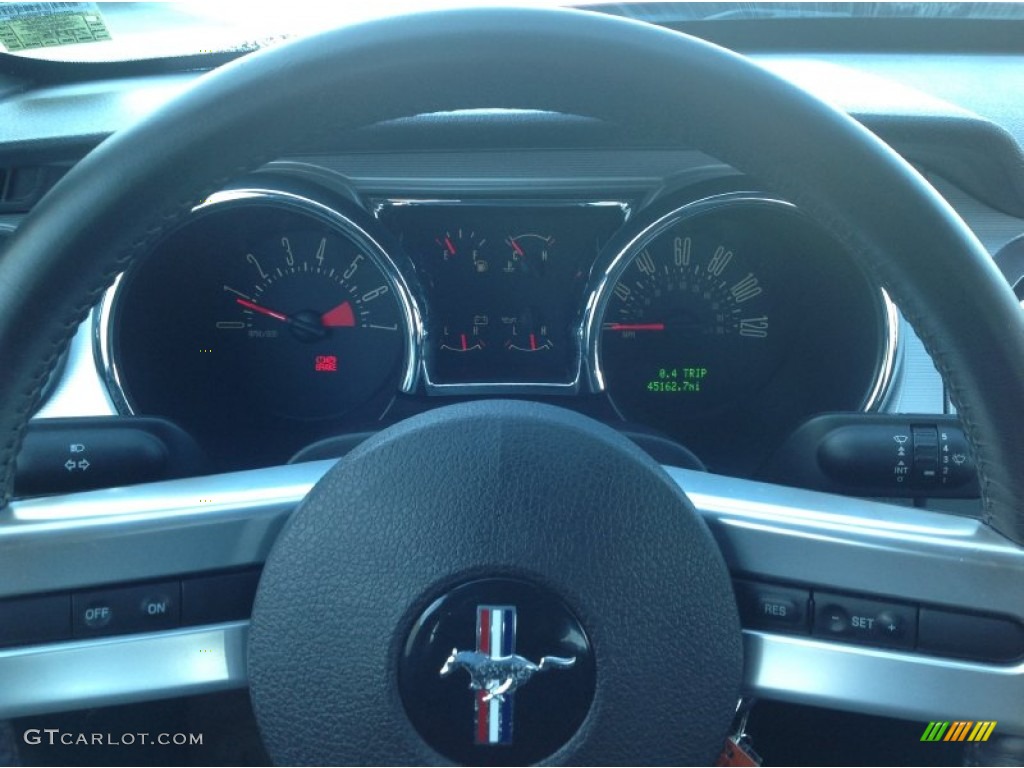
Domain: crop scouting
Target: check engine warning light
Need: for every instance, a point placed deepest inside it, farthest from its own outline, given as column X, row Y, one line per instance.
column 326, row 363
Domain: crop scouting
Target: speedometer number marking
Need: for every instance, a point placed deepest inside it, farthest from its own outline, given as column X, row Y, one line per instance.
column 645, row 263
column 682, row 247
column 719, row 261
column 745, row 289
column 754, row 327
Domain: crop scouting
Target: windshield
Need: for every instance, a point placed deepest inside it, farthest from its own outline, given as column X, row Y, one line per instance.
column 133, row 31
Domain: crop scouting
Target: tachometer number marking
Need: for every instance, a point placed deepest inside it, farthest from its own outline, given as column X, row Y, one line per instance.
column 252, row 260
column 347, row 274
column 371, row 295
column 320, row 251
column 289, row 257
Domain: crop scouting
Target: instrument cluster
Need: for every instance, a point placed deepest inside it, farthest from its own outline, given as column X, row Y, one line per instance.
column 270, row 320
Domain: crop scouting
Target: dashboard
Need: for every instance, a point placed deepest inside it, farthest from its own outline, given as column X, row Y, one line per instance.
column 292, row 315
column 334, row 292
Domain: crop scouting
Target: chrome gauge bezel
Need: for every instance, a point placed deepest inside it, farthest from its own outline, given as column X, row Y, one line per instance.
column 604, row 280
column 105, row 325
column 576, row 382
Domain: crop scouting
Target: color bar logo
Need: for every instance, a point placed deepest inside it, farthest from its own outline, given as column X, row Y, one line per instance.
column 959, row 730
column 496, row 638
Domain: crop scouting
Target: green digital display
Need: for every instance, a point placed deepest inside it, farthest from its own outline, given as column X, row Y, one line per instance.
column 672, row 380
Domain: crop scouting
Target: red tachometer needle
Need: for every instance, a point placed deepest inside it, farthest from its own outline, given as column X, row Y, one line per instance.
column 634, row 326
column 263, row 310
column 341, row 316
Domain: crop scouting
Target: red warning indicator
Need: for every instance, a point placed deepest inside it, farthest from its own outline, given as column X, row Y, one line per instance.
column 326, row 363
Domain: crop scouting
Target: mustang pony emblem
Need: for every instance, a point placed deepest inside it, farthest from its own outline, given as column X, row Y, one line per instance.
column 501, row 675
column 496, row 671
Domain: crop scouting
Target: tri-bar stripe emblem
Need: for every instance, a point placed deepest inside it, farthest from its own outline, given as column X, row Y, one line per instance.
column 495, row 637
column 959, row 730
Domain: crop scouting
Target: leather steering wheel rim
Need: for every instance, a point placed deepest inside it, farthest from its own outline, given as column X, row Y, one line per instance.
column 659, row 85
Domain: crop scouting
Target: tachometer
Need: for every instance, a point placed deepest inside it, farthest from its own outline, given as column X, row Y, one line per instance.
column 317, row 326
column 261, row 322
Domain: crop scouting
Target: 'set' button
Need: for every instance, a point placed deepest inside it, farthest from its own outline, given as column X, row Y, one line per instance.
column 864, row 620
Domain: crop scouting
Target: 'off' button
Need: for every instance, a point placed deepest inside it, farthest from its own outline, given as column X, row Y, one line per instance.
column 98, row 616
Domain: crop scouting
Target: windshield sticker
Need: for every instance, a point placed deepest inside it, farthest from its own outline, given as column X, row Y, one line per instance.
column 47, row 25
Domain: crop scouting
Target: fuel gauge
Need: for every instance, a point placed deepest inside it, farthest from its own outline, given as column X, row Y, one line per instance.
column 462, row 247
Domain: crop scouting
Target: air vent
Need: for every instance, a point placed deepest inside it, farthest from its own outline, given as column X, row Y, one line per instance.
column 23, row 186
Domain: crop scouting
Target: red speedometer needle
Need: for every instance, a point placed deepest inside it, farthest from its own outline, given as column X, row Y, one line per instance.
column 634, row 326
column 263, row 310
column 341, row 316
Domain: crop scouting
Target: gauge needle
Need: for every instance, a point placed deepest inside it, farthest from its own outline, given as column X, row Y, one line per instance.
column 262, row 310
column 516, row 247
column 634, row 326
column 304, row 325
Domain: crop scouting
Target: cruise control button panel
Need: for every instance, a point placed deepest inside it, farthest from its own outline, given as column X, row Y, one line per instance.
column 124, row 610
column 869, row 622
column 878, row 621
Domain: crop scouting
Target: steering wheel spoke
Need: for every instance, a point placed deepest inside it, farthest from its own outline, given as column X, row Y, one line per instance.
column 767, row 532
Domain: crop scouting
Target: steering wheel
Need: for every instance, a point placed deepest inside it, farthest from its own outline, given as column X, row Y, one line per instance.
column 624, row 564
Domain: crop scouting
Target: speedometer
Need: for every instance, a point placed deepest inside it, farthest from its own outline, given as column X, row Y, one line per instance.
column 727, row 322
column 689, row 320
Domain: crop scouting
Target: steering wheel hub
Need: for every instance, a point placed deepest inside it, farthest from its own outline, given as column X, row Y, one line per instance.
column 497, row 672
column 365, row 642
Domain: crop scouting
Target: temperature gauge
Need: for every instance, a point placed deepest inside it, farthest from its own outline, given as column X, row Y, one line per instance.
column 529, row 254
